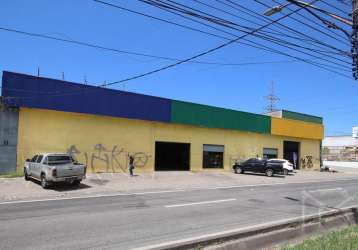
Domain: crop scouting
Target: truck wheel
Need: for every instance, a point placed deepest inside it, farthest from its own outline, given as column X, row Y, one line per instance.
column 44, row 182
column 285, row 172
column 238, row 170
column 269, row 172
column 26, row 176
column 76, row 182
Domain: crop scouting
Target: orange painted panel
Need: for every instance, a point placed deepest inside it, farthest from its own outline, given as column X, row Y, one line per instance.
column 293, row 128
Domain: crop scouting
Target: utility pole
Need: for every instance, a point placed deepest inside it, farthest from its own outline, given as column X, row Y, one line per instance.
column 354, row 42
column 272, row 99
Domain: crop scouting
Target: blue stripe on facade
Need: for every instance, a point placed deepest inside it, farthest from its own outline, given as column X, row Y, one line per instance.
column 44, row 93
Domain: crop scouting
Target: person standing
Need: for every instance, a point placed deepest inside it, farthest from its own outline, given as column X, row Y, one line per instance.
column 131, row 165
column 294, row 160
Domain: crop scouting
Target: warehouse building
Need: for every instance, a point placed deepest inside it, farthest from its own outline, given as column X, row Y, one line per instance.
column 101, row 127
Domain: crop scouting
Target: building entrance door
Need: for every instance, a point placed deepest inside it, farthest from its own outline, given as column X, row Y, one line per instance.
column 291, row 152
column 172, row 156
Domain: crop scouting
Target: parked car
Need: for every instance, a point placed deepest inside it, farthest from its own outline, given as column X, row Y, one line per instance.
column 259, row 165
column 287, row 165
column 49, row 168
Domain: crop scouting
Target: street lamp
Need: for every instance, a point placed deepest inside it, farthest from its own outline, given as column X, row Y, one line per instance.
column 279, row 8
column 275, row 9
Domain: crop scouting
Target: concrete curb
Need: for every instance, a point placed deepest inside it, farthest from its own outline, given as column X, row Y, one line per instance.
column 267, row 234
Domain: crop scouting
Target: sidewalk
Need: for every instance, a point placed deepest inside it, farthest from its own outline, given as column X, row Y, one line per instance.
column 14, row 189
column 341, row 166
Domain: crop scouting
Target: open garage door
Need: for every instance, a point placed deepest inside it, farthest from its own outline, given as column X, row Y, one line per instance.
column 170, row 156
column 291, row 152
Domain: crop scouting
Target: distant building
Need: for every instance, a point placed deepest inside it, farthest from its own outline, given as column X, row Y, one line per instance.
column 341, row 148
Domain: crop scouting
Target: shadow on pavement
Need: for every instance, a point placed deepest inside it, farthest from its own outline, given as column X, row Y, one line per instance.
column 99, row 182
column 263, row 175
column 63, row 186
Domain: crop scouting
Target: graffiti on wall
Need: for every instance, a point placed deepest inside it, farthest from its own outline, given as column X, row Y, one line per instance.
column 114, row 159
column 307, row 162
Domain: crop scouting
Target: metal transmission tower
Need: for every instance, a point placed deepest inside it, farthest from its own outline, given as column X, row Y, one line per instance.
column 272, row 99
column 354, row 42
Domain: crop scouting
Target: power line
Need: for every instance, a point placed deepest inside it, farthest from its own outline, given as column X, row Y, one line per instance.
column 186, row 27
column 256, row 45
column 286, row 35
column 304, row 23
column 210, row 51
column 335, row 7
column 197, row 55
column 319, row 24
column 91, row 45
column 266, row 37
column 329, row 24
column 174, row 9
column 251, row 21
column 256, row 15
column 146, row 55
column 225, row 23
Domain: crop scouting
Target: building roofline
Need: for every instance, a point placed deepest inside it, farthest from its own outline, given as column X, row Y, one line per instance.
column 92, row 87
column 320, row 117
column 127, row 92
column 83, row 85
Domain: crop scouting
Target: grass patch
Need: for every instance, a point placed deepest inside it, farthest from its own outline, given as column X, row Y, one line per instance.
column 12, row 175
column 345, row 239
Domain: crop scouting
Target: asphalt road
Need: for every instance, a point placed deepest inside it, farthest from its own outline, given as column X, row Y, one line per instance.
column 135, row 220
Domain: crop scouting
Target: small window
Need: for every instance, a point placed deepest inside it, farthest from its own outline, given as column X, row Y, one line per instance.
column 34, row 158
column 59, row 159
column 39, row 159
column 213, row 156
column 269, row 153
column 276, row 161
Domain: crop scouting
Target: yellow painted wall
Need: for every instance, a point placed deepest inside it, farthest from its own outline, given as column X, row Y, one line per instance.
column 294, row 128
column 103, row 143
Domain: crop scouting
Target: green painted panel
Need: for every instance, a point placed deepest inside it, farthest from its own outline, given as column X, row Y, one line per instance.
column 213, row 117
column 303, row 117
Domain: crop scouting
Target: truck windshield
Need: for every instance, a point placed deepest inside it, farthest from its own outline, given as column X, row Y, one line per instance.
column 59, row 159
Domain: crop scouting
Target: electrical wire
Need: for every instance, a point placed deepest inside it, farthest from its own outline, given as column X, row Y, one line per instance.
column 256, row 15
column 268, row 38
column 319, row 24
column 256, row 45
column 202, row 53
column 335, row 7
column 91, row 45
column 306, row 24
column 208, row 52
column 274, row 31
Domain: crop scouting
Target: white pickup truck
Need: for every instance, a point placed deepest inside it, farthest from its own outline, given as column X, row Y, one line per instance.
column 49, row 168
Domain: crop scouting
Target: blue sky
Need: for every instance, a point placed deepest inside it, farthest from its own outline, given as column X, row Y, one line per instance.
column 301, row 87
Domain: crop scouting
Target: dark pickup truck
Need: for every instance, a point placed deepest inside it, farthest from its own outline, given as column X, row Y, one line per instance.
column 259, row 166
